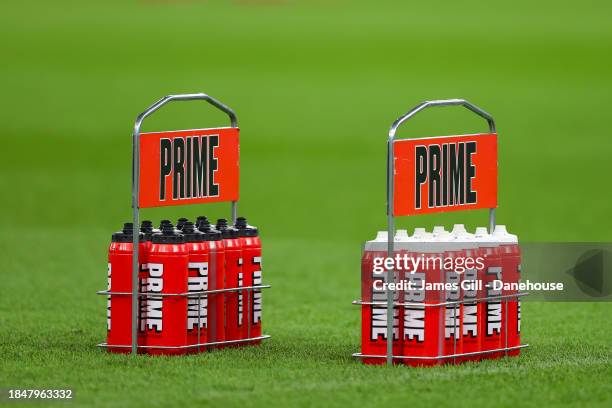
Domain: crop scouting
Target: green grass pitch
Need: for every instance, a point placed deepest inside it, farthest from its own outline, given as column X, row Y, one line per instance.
column 316, row 86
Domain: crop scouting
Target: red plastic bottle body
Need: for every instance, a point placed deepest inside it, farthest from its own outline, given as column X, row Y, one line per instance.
column 423, row 326
column 142, row 301
column 374, row 317
column 163, row 319
column 470, row 315
column 511, row 261
column 251, row 299
column 119, row 307
column 491, row 318
column 453, row 314
column 198, row 281
column 235, row 320
column 216, row 301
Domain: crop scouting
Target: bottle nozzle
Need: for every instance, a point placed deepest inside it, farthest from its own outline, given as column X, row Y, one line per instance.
column 439, row 229
column 382, row 236
column 221, row 224
column 500, row 230
column 181, row 222
column 204, row 225
column 241, row 222
column 401, row 234
column 146, row 226
column 188, row 227
column 128, row 228
column 459, row 229
column 481, row 232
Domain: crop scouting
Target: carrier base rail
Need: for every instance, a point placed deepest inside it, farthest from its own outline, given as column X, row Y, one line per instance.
column 188, row 346
column 450, row 356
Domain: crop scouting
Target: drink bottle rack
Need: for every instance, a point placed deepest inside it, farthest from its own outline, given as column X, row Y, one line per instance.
column 389, row 277
column 137, row 295
column 189, row 295
column 455, row 355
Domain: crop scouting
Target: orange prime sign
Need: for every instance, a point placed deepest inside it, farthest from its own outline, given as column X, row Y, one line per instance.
column 189, row 166
column 446, row 173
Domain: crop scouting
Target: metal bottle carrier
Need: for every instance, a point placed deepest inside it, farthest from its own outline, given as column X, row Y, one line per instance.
column 135, row 293
column 389, row 277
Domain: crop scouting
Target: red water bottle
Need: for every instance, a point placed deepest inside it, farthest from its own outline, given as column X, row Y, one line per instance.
column 163, row 318
column 451, row 274
column 251, row 269
column 146, row 228
column 403, row 245
column 424, row 325
column 492, row 273
column 234, row 305
column 119, row 307
column 511, row 261
column 374, row 316
column 463, row 246
column 216, row 281
column 197, row 281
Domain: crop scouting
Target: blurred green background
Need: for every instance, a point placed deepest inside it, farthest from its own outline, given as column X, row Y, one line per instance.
column 316, row 86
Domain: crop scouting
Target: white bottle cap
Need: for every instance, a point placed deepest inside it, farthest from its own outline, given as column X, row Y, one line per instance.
column 430, row 242
column 461, row 238
column 443, row 239
column 440, row 234
column 379, row 243
column 503, row 236
column 500, row 229
column 480, row 232
column 381, row 236
column 403, row 241
column 422, row 235
column 439, row 229
column 401, row 235
column 419, row 232
column 458, row 229
column 485, row 239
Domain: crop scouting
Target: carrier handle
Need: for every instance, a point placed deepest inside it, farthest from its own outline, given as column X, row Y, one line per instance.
column 440, row 103
column 422, row 106
column 136, row 187
column 390, row 180
column 151, row 109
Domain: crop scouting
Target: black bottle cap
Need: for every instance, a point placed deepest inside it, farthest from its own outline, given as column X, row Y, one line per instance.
column 226, row 231
column 200, row 219
column 146, row 227
column 204, row 225
column 244, row 229
column 180, row 223
column 163, row 223
column 210, row 234
column 191, row 234
column 168, row 235
column 126, row 234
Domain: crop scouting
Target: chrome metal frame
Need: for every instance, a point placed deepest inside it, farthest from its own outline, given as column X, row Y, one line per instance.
column 136, row 294
column 189, row 295
column 455, row 355
column 447, row 357
column 449, row 303
column 189, row 346
column 390, row 185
